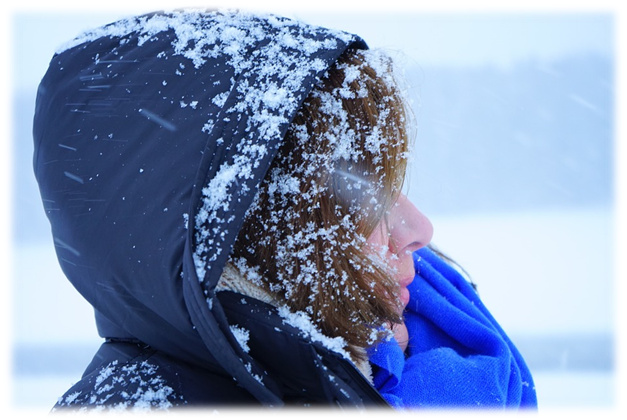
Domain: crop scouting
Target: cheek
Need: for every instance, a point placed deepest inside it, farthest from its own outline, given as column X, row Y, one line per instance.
column 406, row 260
column 378, row 243
column 379, row 237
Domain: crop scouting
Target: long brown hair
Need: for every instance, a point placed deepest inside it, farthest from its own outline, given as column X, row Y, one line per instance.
column 339, row 170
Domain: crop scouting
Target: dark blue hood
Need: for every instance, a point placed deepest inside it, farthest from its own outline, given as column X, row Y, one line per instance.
column 151, row 136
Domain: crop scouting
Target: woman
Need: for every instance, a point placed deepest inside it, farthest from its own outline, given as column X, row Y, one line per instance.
column 224, row 189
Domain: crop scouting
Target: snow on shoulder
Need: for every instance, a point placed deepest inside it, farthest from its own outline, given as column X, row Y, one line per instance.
column 308, row 329
column 135, row 386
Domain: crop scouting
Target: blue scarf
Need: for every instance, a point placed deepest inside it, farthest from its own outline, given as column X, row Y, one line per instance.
column 458, row 356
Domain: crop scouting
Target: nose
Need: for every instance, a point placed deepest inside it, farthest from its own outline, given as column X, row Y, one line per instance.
column 410, row 230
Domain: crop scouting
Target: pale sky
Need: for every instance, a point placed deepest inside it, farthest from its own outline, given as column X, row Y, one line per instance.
column 425, row 38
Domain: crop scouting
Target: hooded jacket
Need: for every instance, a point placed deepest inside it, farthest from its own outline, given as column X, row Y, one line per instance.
column 151, row 137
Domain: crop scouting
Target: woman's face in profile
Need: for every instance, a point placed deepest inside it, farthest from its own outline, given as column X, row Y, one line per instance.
column 395, row 238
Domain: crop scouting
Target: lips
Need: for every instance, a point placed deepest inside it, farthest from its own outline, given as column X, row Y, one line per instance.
column 404, row 292
column 404, row 296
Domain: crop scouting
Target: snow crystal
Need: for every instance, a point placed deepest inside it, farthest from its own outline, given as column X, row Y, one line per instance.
column 220, row 99
column 242, row 336
column 105, row 373
column 309, row 330
column 70, row 398
column 274, row 97
column 192, row 104
column 249, row 368
column 251, row 274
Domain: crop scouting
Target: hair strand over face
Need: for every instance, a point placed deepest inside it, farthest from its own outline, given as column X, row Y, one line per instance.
column 337, row 173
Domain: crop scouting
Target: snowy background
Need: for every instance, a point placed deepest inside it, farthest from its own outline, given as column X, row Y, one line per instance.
column 514, row 165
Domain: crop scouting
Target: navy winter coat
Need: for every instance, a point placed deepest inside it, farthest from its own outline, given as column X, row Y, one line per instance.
column 151, row 136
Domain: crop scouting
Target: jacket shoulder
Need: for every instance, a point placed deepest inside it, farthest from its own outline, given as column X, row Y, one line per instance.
column 132, row 376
